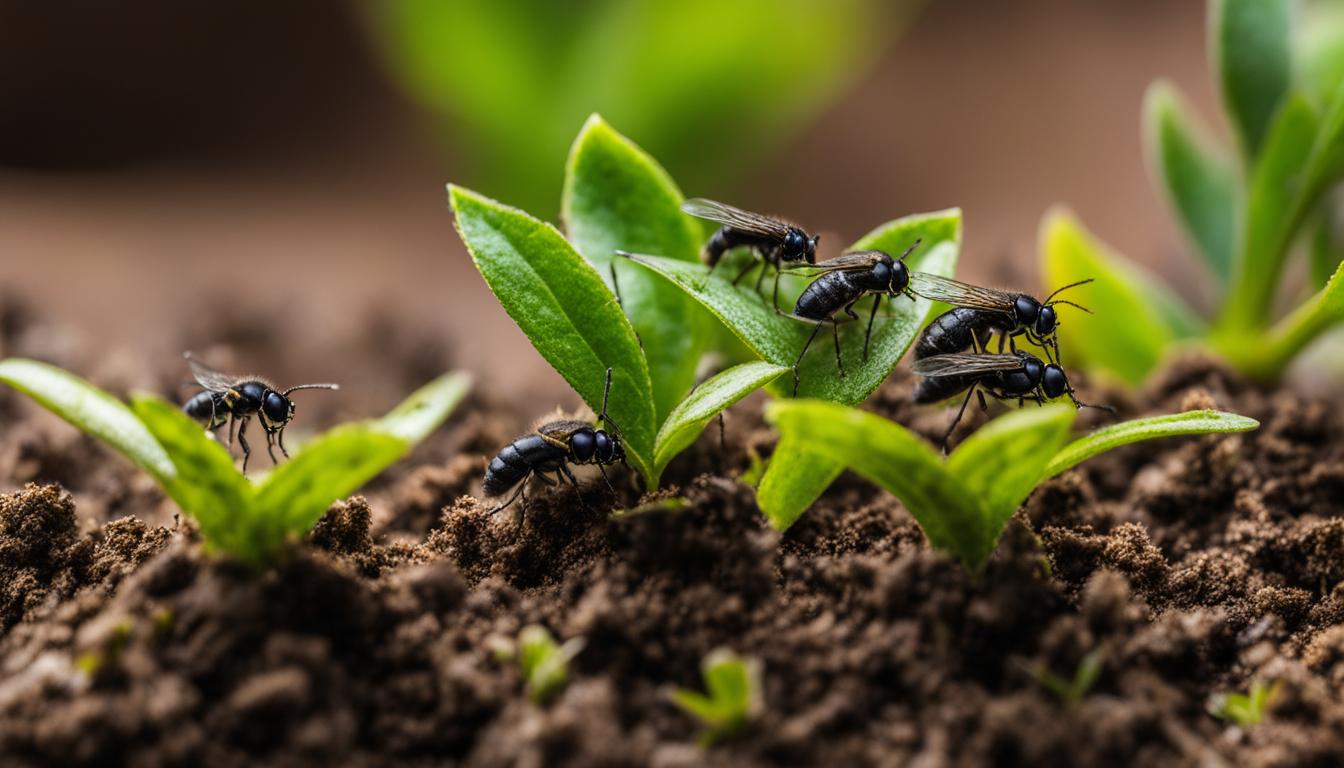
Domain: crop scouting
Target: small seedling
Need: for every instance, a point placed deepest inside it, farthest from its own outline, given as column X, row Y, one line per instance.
column 249, row 521
column 1072, row 690
column 1243, row 208
column 964, row 502
column 1245, row 709
column 733, row 698
column 544, row 663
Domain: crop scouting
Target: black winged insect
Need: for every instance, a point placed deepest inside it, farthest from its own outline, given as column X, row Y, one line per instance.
column 1020, row 375
column 978, row 312
column 236, row 399
column 552, row 447
column 774, row 241
column 842, row 282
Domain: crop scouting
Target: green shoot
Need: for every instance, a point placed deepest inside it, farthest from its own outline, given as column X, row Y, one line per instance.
column 248, row 521
column 1244, row 207
column 544, row 663
column 733, row 698
column 1245, row 709
column 1072, row 690
column 964, row 502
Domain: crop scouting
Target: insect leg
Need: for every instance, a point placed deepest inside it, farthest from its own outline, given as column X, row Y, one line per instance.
column 565, row 472
column 610, row 487
column 984, row 406
column 280, row 439
column 774, row 298
column 512, row 499
column 868, row 334
column 242, row 440
column 815, row 328
column 835, row 333
column 948, row 435
column 750, row 266
column 270, row 446
column 615, row 284
column 231, row 424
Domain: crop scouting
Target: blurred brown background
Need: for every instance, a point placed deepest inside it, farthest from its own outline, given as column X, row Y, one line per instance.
column 157, row 161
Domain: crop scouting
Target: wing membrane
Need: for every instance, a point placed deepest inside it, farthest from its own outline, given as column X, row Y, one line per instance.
column 735, row 217
column 945, row 289
column 961, row 364
column 847, row 262
column 209, row 378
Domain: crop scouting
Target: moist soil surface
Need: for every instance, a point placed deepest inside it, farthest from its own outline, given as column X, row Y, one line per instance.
column 1187, row 569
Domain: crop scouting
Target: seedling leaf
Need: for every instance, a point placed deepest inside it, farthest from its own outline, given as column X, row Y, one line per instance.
column 543, row 662
column 616, row 197
column 795, row 478
column 1245, row 709
column 778, row 339
column 1136, row 430
column 205, row 484
column 91, row 410
column 1292, row 334
column 714, row 395
column 559, row 300
column 1125, row 335
column 426, row 409
column 1253, row 63
column 734, row 695
column 1200, row 182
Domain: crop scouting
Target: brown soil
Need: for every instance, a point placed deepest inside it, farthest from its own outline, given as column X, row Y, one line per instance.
column 1193, row 567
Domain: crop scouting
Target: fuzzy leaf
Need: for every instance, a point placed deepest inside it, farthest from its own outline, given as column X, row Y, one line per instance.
column 778, row 339
column 1200, row 182
column 426, row 409
column 1253, row 63
column 1126, row 432
column 1268, row 230
column 561, row 303
column 616, row 197
column 91, row 410
column 714, row 395
column 795, row 478
column 206, row 485
column 1002, row 462
column 1125, row 335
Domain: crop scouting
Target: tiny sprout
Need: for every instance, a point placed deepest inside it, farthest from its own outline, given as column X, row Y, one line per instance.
column 1245, row 709
column 734, row 695
column 1072, row 691
column 544, row 663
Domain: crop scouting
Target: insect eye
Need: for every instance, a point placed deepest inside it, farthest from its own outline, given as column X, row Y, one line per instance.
column 582, row 442
column 1055, row 383
column 605, row 447
column 1045, row 323
column 276, row 407
column 1027, row 309
column 882, row 272
column 794, row 241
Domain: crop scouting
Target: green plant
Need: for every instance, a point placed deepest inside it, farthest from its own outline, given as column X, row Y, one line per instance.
column 559, row 291
column 1245, row 709
column 544, row 663
column 961, row 503
column 1243, row 208
column 1072, row 690
column 709, row 86
column 249, row 521
column 733, row 697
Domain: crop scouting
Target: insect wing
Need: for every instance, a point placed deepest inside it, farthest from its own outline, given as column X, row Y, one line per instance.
column 209, row 378
column 964, row 364
column 855, row 261
column 557, row 433
column 945, row 289
column 735, row 217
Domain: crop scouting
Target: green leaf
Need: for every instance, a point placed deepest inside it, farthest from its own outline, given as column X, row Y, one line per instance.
column 734, row 686
column 616, row 197
column 1327, row 244
column 717, row 393
column 1253, row 63
column 1002, row 462
column 1126, row 432
column 794, row 479
column 1268, row 357
column 1276, row 180
column 206, row 485
column 545, row 663
column 416, row 417
column 1125, row 335
column 1320, row 49
column 1199, row 180
column 778, row 339
column 893, row 457
column 561, row 303
column 91, row 410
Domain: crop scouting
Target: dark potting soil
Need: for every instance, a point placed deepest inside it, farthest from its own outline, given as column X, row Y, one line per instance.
column 1190, row 567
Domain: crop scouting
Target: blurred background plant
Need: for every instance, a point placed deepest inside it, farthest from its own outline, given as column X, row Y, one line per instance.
column 512, row 77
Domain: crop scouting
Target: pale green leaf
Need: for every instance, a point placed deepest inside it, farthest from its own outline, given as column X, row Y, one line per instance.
column 1126, row 432
column 1252, row 60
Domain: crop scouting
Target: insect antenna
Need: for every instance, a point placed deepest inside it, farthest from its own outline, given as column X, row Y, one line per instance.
column 603, row 417
column 1080, row 404
column 1071, row 304
column 310, row 386
column 911, row 249
column 1063, row 288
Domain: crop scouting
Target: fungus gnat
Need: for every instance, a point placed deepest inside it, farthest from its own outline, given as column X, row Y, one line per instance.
column 774, row 241
column 980, row 311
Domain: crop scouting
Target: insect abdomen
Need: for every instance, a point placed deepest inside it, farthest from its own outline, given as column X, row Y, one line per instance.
column 951, row 332
column 728, row 238
column 939, row 388
column 512, row 464
column 826, row 295
column 207, row 408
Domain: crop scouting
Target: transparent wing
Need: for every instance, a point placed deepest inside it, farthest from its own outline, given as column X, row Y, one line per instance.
column 961, row 294
column 847, row 262
column 960, row 364
column 735, row 217
column 208, row 377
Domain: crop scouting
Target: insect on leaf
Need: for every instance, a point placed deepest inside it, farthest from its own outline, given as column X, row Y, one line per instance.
column 1136, row 430
column 559, row 300
column 1252, row 60
column 616, row 197
column 713, row 396
column 1199, row 180
column 91, row 410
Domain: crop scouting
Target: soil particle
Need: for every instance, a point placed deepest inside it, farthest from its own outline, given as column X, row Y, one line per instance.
column 42, row 556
